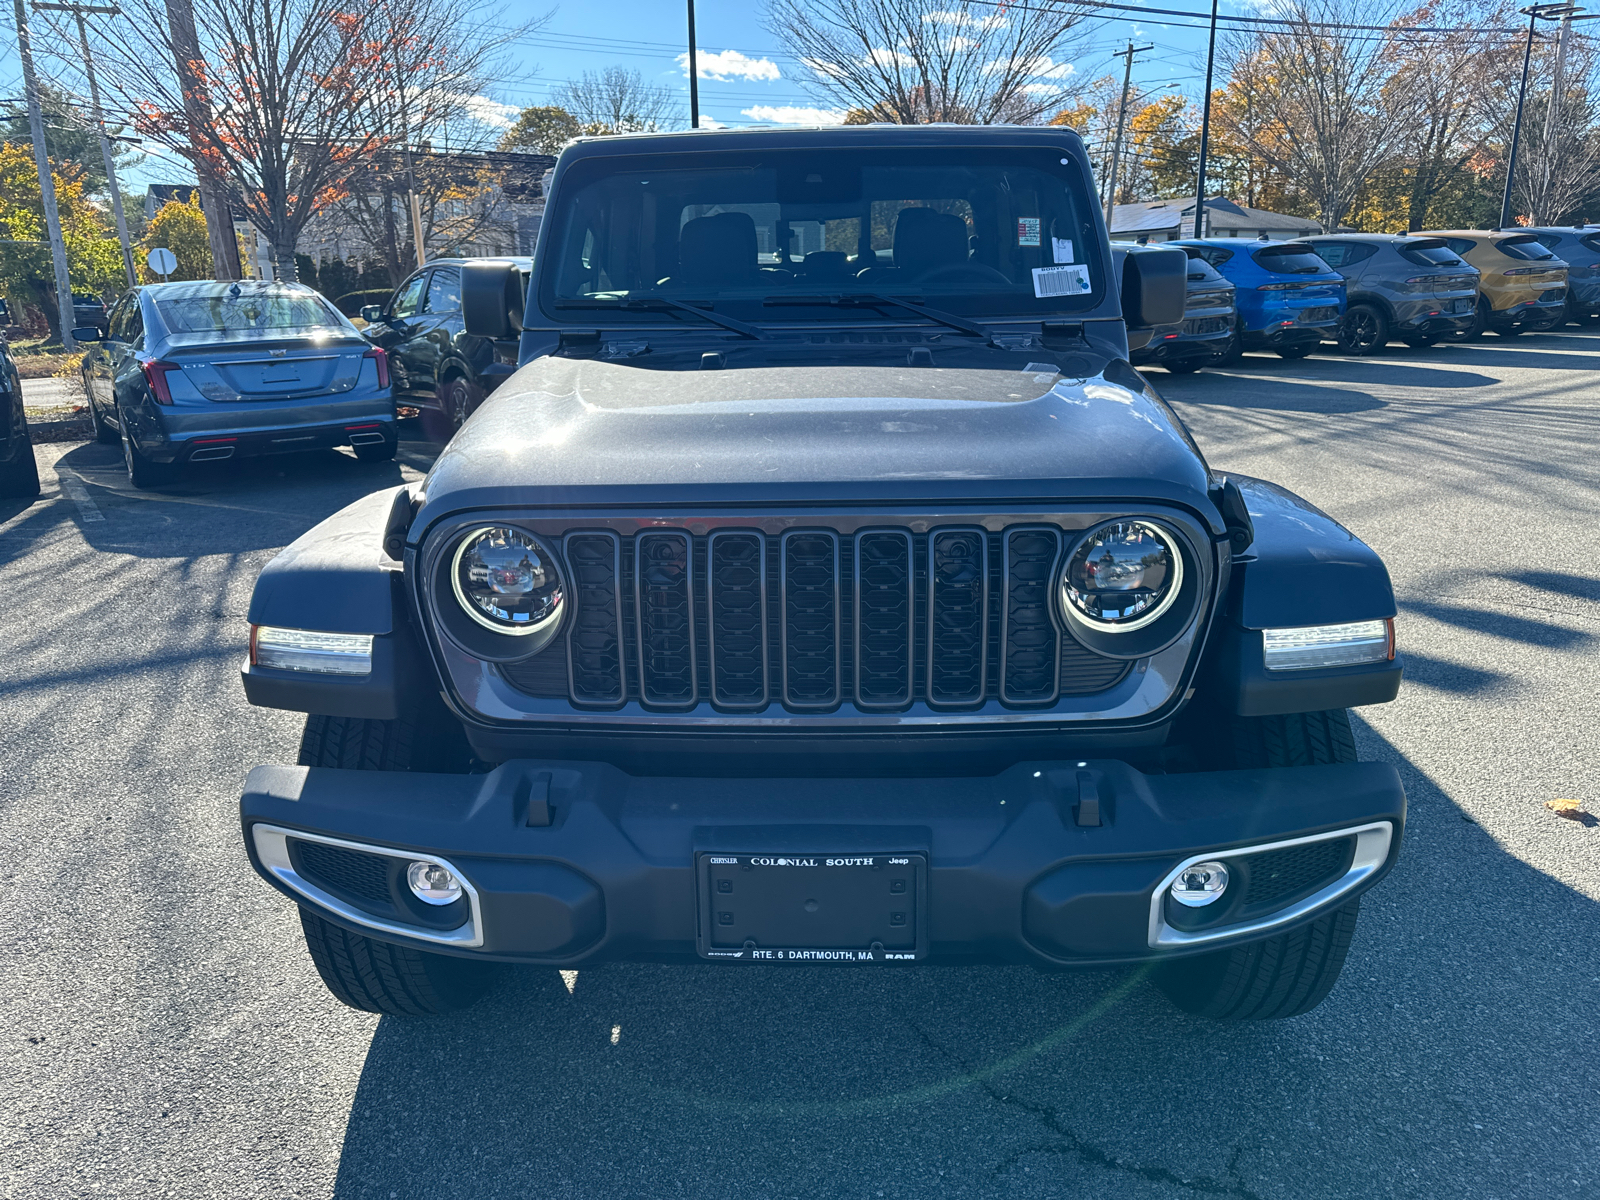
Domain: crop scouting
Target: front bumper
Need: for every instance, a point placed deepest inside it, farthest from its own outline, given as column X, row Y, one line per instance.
column 1050, row 863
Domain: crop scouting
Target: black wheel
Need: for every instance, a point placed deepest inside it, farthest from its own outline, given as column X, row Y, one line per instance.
column 1364, row 330
column 143, row 473
column 1283, row 976
column 363, row 972
column 380, row 977
column 1291, row 973
column 1234, row 350
column 1297, row 350
column 377, row 451
column 103, row 433
column 19, row 477
column 1184, row 366
column 460, row 399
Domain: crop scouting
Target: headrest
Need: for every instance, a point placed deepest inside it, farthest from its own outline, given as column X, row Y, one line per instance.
column 826, row 263
column 925, row 240
column 718, row 251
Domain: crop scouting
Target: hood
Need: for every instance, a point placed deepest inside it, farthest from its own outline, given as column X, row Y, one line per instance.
column 567, row 431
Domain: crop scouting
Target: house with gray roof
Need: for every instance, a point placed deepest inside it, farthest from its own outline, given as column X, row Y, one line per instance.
column 1166, row 220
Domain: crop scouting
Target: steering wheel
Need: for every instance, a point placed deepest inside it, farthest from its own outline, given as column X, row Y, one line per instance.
column 965, row 272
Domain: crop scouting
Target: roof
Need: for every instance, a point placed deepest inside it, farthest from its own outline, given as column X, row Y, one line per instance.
column 1151, row 215
column 767, row 137
column 1489, row 234
column 1382, row 239
column 188, row 288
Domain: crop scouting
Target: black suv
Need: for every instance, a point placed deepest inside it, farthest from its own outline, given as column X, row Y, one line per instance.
column 826, row 587
column 438, row 367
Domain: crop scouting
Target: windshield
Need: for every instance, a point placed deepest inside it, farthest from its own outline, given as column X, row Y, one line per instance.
column 277, row 308
column 971, row 232
column 1430, row 254
column 1526, row 248
column 1292, row 260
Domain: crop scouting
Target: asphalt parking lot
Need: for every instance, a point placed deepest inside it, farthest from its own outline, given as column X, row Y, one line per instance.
column 164, row 1033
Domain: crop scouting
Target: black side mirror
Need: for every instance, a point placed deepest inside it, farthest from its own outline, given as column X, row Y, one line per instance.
column 371, row 313
column 89, row 333
column 491, row 299
column 1154, row 287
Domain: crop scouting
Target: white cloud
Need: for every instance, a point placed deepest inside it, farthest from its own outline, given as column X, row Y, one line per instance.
column 729, row 64
column 710, row 122
column 490, row 112
column 832, row 70
column 960, row 18
column 883, row 57
column 1042, row 67
column 792, row 114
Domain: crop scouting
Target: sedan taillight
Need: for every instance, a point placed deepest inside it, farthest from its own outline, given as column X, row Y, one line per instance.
column 377, row 355
column 155, row 374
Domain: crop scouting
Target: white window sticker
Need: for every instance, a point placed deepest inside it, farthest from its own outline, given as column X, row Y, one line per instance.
column 1071, row 280
column 1062, row 248
column 1027, row 231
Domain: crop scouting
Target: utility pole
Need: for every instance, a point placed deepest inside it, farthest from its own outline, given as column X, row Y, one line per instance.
column 78, row 11
column 47, row 183
column 1122, row 120
column 1205, row 133
column 214, row 201
column 694, row 75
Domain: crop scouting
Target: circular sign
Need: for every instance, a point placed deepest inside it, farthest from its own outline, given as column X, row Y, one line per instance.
column 162, row 261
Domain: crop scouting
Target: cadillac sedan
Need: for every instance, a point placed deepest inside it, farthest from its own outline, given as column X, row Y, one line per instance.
column 196, row 372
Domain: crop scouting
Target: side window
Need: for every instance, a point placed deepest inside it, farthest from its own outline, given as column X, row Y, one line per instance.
column 1333, row 253
column 1355, row 252
column 444, row 291
column 116, row 318
column 1548, row 240
column 408, row 300
column 133, row 324
column 1215, row 255
column 1462, row 246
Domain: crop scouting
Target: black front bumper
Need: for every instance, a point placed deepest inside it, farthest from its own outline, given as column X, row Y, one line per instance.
column 573, row 863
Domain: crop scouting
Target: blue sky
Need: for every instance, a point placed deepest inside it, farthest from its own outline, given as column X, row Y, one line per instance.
column 746, row 78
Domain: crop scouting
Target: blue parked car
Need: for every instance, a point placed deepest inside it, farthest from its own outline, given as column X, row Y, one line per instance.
column 1287, row 298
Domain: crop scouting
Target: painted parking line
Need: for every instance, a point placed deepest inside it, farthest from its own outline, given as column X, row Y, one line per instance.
column 72, row 488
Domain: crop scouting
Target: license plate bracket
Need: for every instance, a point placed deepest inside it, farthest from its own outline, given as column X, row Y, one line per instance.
column 827, row 908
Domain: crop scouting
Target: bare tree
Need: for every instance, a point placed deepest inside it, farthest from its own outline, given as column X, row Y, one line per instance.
column 1332, row 109
column 301, row 93
column 617, row 100
column 1558, row 168
column 913, row 61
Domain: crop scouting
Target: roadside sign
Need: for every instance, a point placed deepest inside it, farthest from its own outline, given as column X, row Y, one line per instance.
column 162, row 261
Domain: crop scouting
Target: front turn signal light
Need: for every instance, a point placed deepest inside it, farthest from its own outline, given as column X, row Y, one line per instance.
column 1309, row 647
column 311, row 651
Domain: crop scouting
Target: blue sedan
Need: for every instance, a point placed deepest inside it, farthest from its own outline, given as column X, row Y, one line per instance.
column 196, row 372
column 1287, row 298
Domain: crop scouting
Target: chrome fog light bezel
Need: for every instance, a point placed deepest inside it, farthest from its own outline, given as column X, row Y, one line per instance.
column 1209, row 889
column 423, row 882
column 279, row 648
column 1324, row 647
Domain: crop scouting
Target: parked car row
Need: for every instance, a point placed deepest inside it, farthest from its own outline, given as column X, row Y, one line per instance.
column 1362, row 291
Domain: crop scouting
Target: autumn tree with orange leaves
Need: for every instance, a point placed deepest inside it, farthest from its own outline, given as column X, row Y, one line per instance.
column 302, row 93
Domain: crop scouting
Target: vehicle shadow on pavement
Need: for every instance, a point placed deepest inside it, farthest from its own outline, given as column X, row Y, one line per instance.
column 1211, row 389
column 706, row 1082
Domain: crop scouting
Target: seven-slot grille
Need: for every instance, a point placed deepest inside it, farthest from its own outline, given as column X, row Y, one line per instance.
column 812, row 619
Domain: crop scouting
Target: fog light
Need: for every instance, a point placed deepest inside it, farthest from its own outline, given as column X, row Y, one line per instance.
column 434, row 884
column 1196, row 886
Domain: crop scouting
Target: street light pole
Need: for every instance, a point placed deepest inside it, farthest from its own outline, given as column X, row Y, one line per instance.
column 78, row 11
column 1205, row 132
column 1535, row 13
column 1122, row 121
column 694, row 75
column 47, row 183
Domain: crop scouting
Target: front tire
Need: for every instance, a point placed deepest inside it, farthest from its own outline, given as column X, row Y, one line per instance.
column 362, row 972
column 459, row 397
column 1292, row 973
column 398, row 981
column 103, row 433
column 19, row 478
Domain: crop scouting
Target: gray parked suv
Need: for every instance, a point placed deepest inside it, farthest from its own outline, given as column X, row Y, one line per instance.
column 1416, row 289
column 1581, row 250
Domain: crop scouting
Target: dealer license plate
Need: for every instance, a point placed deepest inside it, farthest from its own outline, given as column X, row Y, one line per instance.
column 827, row 908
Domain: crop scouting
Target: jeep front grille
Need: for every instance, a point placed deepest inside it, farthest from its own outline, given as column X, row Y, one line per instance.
column 814, row 620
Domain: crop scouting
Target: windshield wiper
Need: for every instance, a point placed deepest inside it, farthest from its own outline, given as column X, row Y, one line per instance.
column 663, row 304
column 873, row 300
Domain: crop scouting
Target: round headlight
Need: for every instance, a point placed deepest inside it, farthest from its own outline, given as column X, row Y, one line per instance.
column 1123, row 576
column 507, row 581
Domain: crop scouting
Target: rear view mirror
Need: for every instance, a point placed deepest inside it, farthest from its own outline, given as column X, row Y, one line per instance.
column 371, row 313
column 1154, row 287
column 87, row 334
column 491, row 299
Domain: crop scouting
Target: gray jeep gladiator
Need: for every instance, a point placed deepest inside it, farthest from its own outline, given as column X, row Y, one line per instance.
column 826, row 587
